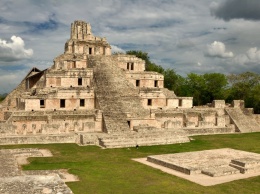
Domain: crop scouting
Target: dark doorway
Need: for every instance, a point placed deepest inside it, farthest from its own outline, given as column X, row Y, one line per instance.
column 137, row 83
column 80, row 81
column 62, row 103
column 82, row 102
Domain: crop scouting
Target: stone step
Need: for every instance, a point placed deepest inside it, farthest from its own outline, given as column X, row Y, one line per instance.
column 133, row 139
column 220, row 171
column 246, row 165
column 243, row 123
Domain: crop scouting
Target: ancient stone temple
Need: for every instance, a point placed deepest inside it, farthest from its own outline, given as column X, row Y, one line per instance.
column 91, row 97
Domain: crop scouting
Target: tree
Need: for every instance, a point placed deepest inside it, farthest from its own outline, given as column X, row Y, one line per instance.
column 242, row 84
column 196, row 87
column 170, row 79
column 245, row 86
column 216, row 85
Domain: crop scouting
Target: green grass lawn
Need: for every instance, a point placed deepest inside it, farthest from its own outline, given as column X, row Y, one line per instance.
column 113, row 171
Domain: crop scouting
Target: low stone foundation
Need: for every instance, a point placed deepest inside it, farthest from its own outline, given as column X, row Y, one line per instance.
column 14, row 180
column 208, row 167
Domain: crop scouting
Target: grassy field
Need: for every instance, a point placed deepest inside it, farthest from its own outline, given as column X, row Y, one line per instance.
column 113, row 171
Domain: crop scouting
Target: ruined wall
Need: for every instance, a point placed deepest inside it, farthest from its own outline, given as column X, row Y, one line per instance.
column 172, row 103
column 56, row 122
column 144, row 122
column 145, row 79
column 71, row 78
column 218, row 104
column 62, row 103
column 257, row 118
column 10, row 99
column 192, row 118
column 68, row 81
column 130, row 63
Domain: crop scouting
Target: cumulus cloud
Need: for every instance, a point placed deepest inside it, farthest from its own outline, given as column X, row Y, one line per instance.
column 252, row 56
column 14, row 50
column 218, row 49
column 236, row 9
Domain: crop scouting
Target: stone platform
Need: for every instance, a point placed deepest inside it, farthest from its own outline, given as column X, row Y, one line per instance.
column 208, row 167
column 13, row 180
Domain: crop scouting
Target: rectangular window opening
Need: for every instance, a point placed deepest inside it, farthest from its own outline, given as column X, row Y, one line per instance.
column 82, row 102
column 137, row 83
column 80, row 81
column 132, row 66
column 180, row 102
column 129, row 123
column 156, row 83
column 127, row 66
column 42, row 103
column 149, row 102
column 90, row 51
column 62, row 103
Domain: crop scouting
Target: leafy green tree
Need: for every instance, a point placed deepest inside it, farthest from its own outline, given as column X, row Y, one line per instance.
column 253, row 99
column 216, row 85
column 170, row 79
column 245, row 86
column 196, row 87
column 242, row 84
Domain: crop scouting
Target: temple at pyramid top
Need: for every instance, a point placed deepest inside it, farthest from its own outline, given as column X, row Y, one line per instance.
column 80, row 30
column 82, row 41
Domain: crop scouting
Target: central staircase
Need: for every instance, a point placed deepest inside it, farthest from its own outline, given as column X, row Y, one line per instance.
column 116, row 97
column 120, row 102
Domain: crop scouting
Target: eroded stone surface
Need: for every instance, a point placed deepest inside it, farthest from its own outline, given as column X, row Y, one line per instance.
column 13, row 180
column 208, row 167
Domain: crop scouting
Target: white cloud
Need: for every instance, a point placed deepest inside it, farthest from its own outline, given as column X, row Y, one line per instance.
column 116, row 49
column 14, row 51
column 252, row 56
column 218, row 49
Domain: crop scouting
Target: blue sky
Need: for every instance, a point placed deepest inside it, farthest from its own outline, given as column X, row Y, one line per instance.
column 202, row 36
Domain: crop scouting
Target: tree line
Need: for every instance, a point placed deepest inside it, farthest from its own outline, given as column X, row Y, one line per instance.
column 209, row 86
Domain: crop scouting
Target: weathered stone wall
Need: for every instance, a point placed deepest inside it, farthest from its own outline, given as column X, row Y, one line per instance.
column 238, row 104
column 257, row 118
column 130, row 63
column 192, row 118
column 70, row 103
column 153, row 102
column 10, row 99
column 40, row 139
column 56, row 122
column 148, row 122
column 69, row 78
column 186, row 102
column 1, row 114
column 218, row 104
column 145, row 79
